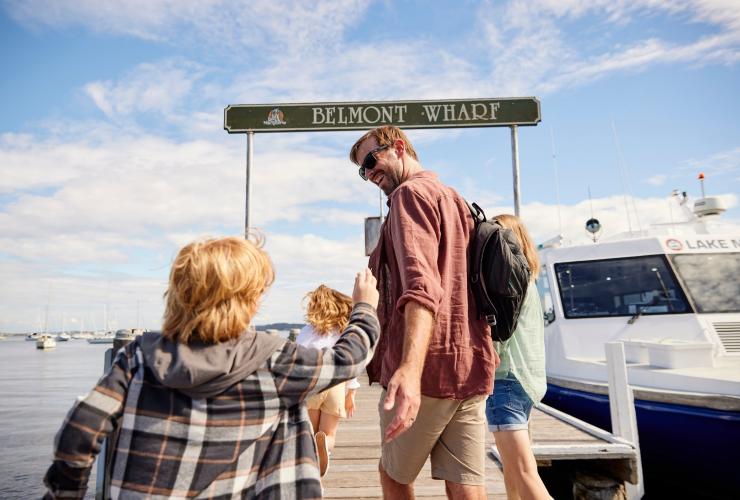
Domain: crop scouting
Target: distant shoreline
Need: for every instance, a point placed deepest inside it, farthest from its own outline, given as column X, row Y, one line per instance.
column 269, row 326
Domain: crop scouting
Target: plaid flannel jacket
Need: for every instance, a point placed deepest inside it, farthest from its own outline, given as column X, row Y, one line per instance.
column 254, row 440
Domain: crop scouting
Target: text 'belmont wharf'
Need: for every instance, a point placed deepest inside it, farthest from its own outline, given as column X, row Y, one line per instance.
column 373, row 115
column 366, row 115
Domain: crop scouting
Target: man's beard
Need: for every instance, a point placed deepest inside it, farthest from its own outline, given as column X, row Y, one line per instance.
column 390, row 185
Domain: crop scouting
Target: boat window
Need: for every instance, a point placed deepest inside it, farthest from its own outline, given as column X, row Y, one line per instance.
column 619, row 287
column 711, row 280
column 543, row 288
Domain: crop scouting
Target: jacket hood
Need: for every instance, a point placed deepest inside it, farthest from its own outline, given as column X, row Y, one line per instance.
column 201, row 370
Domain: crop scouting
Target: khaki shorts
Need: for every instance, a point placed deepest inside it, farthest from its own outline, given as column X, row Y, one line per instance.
column 451, row 432
column 330, row 401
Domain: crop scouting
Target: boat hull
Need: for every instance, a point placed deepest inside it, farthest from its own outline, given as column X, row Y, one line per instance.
column 684, row 448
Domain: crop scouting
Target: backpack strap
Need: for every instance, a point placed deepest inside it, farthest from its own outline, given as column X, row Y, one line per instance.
column 478, row 216
column 476, row 212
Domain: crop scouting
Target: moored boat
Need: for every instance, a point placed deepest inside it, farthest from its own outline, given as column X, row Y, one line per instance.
column 45, row 341
column 672, row 297
column 101, row 338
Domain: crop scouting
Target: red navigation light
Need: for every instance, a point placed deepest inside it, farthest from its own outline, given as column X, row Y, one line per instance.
column 701, row 176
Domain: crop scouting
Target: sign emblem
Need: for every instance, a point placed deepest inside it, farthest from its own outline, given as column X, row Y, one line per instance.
column 275, row 117
column 674, row 244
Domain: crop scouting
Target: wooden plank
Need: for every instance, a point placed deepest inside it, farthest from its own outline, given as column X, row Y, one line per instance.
column 353, row 470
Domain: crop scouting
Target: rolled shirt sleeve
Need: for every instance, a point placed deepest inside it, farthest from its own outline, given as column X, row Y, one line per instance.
column 415, row 232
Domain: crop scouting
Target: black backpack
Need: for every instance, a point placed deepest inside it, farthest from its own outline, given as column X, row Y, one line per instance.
column 498, row 274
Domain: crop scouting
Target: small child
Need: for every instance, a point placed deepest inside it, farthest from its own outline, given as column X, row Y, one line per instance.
column 209, row 407
column 327, row 314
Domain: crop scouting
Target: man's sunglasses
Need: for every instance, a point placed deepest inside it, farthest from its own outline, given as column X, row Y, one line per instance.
column 370, row 160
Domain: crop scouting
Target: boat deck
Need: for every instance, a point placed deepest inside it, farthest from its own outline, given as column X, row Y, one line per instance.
column 556, row 437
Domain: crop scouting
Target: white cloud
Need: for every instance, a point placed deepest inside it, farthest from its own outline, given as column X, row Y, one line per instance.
column 724, row 162
column 531, row 53
column 275, row 26
column 656, row 180
column 121, row 205
column 157, row 86
column 95, row 211
column 616, row 215
column 301, row 261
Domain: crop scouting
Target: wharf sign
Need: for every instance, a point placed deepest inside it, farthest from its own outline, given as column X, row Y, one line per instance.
column 241, row 118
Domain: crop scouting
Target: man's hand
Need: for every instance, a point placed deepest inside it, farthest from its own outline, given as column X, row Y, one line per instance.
column 404, row 392
column 349, row 403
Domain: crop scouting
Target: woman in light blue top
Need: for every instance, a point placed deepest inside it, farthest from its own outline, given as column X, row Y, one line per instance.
column 519, row 383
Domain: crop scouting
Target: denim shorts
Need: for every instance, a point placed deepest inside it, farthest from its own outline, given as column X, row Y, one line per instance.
column 508, row 408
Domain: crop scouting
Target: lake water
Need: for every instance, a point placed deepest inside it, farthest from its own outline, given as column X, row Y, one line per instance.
column 37, row 388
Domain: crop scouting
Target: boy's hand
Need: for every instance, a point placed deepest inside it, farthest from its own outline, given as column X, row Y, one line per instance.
column 365, row 288
column 349, row 403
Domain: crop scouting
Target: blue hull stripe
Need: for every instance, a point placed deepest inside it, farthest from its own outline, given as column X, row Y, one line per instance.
column 674, row 440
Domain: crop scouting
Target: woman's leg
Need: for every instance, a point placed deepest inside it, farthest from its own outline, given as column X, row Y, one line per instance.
column 520, row 466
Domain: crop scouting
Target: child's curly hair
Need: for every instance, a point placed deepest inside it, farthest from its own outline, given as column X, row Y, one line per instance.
column 327, row 310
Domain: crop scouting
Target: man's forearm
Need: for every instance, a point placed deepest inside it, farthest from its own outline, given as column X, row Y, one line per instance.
column 418, row 327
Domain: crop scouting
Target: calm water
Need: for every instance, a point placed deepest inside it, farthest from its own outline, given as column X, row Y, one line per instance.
column 37, row 388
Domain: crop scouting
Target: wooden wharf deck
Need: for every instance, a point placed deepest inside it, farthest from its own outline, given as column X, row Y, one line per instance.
column 353, row 469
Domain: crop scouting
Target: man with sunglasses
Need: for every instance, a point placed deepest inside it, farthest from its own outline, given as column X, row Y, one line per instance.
column 435, row 359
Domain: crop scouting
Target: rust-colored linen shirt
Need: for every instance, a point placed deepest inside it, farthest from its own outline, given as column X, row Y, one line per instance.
column 422, row 256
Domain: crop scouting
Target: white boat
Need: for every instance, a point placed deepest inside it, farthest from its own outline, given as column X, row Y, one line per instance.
column 101, row 338
column 45, row 341
column 33, row 337
column 63, row 337
column 672, row 297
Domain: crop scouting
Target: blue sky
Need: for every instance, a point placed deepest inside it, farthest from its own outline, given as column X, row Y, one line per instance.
column 113, row 153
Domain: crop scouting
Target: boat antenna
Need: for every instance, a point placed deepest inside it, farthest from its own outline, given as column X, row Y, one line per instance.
column 46, row 309
column 590, row 201
column 557, row 180
column 623, row 174
column 701, row 181
column 593, row 226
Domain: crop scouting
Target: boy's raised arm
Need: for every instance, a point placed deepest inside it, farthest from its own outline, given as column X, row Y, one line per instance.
column 301, row 372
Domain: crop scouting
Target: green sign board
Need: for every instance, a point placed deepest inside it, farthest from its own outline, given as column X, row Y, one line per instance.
column 240, row 118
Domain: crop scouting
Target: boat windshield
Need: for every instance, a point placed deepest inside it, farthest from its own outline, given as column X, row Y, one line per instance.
column 711, row 279
column 619, row 287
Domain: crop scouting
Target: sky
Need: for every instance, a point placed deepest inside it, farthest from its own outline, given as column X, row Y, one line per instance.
column 113, row 153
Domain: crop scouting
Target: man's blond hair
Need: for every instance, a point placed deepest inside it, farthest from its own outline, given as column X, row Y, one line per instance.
column 214, row 289
column 385, row 135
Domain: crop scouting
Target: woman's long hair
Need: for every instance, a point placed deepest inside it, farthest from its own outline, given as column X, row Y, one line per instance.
column 525, row 241
column 214, row 289
column 327, row 310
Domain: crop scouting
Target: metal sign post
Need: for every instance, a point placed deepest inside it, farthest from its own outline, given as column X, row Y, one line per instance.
column 248, row 188
column 515, row 167
column 365, row 115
